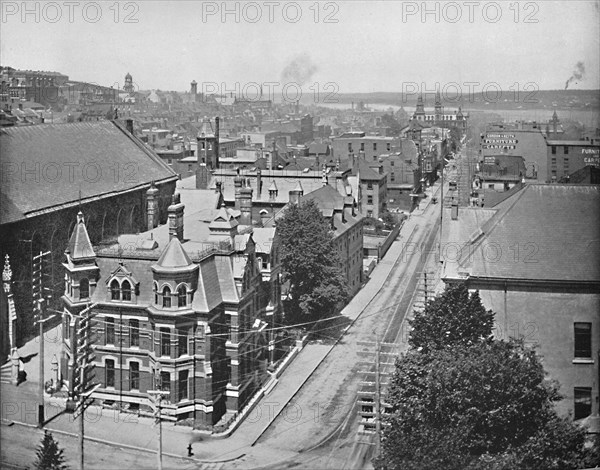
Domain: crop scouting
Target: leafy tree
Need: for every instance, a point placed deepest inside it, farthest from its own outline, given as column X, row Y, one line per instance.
column 462, row 400
column 310, row 263
column 49, row 456
column 463, row 406
column 453, row 318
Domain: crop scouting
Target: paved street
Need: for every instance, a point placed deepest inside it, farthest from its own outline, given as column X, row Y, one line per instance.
column 307, row 419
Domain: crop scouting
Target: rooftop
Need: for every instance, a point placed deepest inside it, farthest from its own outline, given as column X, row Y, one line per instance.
column 48, row 165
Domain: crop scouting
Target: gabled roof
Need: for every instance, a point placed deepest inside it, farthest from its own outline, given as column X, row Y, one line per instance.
column 367, row 173
column 79, row 246
column 543, row 232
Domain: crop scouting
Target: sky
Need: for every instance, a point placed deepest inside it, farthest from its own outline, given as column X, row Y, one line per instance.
column 340, row 47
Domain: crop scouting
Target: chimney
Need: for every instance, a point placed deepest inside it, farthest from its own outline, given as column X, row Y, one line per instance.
column 237, row 184
column 258, row 183
column 273, row 157
column 176, row 217
column 202, row 176
column 129, row 125
column 246, row 204
column 152, row 206
column 324, row 177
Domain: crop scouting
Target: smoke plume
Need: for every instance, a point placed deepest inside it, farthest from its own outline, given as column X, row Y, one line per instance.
column 299, row 70
column 577, row 74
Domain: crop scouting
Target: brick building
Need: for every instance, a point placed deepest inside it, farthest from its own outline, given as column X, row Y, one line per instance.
column 192, row 315
column 534, row 258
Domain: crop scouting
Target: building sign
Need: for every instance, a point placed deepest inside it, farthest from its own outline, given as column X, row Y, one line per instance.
column 592, row 161
column 499, row 141
column 489, row 160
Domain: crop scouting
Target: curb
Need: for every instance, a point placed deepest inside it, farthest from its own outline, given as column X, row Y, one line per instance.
column 121, row 445
column 335, row 343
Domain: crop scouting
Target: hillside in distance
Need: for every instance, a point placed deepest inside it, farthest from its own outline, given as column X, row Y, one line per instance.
column 530, row 98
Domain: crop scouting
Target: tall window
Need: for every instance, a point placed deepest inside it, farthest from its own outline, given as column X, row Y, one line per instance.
column 115, row 290
column 134, row 375
column 182, row 296
column 110, row 330
column 349, row 146
column 166, row 297
column 583, row 340
column 554, row 150
column 126, row 290
column 374, row 146
column 165, row 382
column 155, row 293
column 566, row 150
column 84, row 288
column 165, row 342
column 583, row 402
column 183, row 385
column 109, row 368
column 134, row 332
column 389, row 146
column 362, row 146
column 182, row 342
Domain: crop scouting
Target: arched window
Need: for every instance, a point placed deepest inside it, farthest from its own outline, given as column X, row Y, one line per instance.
column 115, row 290
column 181, row 296
column 155, row 293
column 166, row 297
column 126, row 290
column 84, row 288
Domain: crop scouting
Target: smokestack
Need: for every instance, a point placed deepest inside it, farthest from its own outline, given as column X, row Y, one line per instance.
column 176, row 217
column 258, row 183
column 216, row 148
column 129, row 125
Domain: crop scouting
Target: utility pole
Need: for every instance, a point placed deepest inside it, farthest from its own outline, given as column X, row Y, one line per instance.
column 82, row 375
column 441, row 213
column 377, row 396
column 156, row 399
column 41, row 295
column 370, row 392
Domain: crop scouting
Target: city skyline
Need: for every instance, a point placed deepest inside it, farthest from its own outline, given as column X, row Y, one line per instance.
column 464, row 45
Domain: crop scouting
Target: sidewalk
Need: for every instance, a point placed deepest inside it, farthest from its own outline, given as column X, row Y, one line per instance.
column 122, row 429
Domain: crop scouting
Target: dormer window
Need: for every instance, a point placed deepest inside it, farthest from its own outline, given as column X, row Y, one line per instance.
column 182, row 297
column 115, row 290
column 126, row 290
column 166, row 302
